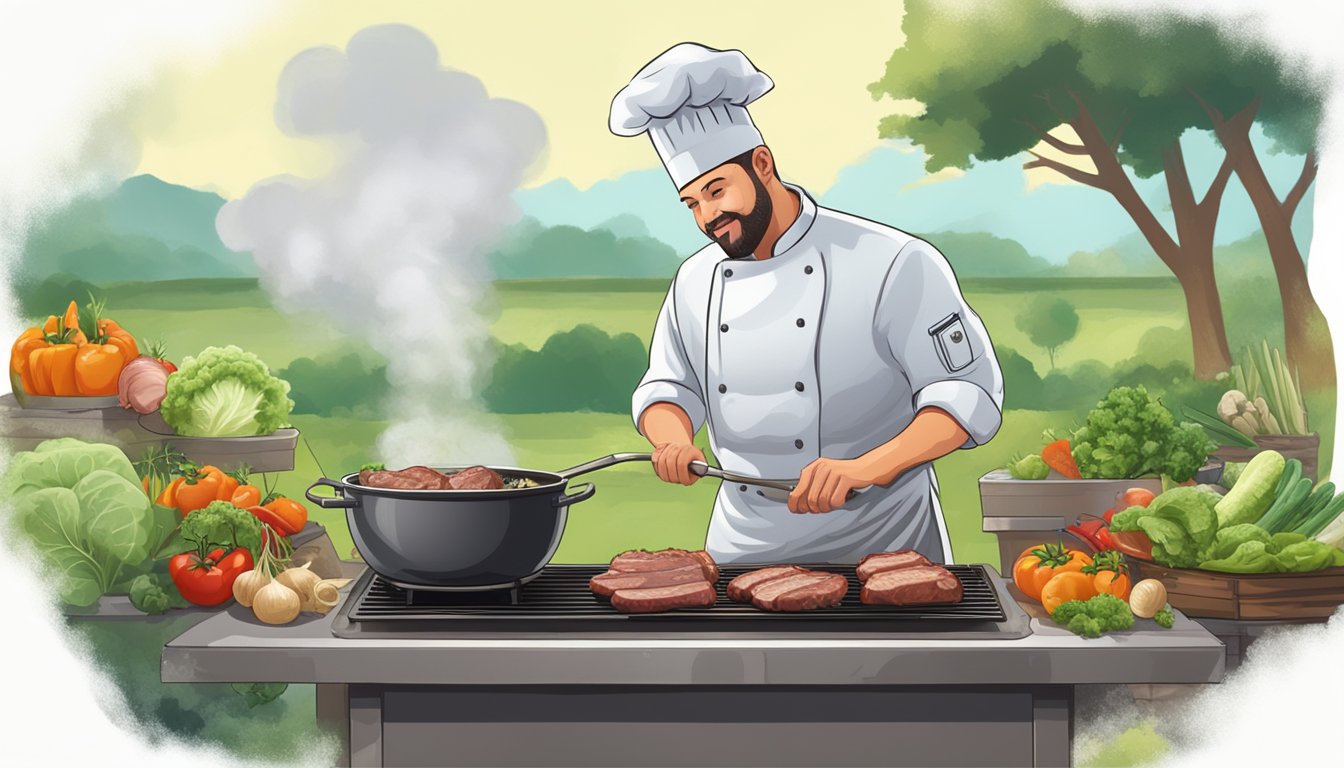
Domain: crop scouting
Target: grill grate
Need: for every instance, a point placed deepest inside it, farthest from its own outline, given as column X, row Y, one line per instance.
column 559, row 600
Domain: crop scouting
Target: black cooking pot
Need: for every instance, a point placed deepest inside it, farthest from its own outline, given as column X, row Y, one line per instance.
column 462, row 540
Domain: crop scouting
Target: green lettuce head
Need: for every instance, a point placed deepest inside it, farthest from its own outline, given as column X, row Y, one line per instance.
column 225, row 392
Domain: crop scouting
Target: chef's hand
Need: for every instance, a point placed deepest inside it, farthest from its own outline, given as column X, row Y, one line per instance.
column 825, row 483
column 672, row 462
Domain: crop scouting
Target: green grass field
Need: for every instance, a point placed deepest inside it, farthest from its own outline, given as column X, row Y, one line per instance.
column 632, row 508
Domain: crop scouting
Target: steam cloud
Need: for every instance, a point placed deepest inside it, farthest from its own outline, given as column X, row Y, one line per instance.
column 390, row 244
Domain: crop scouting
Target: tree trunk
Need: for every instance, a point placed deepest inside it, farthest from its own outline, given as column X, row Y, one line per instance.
column 1305, row 333
column 1205, row 311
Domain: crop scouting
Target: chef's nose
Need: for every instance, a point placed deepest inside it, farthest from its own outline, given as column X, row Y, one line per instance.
column 708, row 212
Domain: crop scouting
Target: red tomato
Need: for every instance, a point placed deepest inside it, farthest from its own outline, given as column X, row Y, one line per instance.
column 1133, row 497
column 208, row 581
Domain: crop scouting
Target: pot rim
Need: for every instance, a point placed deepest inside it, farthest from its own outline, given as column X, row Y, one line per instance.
column 555, row 484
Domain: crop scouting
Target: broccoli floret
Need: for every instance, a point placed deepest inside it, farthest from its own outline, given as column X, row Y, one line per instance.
column 1082, row 624
column 1066, row 611
column 1165, row 618
column 1130, row 433
column 220, row 524
column 1111, row 612
column 1094, row 617
column 148, row 596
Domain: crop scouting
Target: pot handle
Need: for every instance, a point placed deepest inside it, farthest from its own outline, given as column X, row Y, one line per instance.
column 329, row 503
column 586, row 492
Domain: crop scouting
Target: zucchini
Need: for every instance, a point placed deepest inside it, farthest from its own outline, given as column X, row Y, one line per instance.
column 1318, row 522
column 1254, row 492
column 1292, row 472
column 1290, row 503
column 1323, row 495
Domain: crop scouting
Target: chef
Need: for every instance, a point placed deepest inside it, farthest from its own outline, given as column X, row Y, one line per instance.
column 814, row 344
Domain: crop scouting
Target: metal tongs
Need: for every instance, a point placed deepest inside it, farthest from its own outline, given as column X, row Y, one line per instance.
column 776, row 490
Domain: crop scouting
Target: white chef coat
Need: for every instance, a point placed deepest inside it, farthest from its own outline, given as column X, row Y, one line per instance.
column 827, row 349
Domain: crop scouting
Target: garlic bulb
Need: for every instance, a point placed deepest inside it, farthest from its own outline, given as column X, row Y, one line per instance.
column 246, row 585
column 1147, row 598
column 276, row 604
column 302, row 581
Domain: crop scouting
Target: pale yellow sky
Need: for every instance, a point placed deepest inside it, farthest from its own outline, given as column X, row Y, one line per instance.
column 213, row 127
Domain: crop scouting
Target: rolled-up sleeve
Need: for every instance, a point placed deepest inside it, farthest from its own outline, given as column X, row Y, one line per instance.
column 940, row 342
column 670, row 377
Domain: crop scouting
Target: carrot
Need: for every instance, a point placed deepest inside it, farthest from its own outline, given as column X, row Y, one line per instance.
column 1059, row 457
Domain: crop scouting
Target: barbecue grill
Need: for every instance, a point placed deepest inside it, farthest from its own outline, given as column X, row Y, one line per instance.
column 559, row 601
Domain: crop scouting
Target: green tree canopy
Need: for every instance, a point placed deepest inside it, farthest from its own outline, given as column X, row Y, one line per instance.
column 1049, row 323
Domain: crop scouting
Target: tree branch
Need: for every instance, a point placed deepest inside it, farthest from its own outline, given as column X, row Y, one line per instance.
column 1214, row 196
column 1119, row 134
column 1051, row 104
column 1082, row 177
column 1299, row 189
column 1057, row 143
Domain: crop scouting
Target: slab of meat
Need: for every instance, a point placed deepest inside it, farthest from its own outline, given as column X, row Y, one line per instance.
column 888, row 561
column 640, row 560
column 476, row 478
column 763, row 596
column 824, row 593
column 917, row 585
column 740, row 588
column 698, row 594
column 409, row 479
column 608, row 583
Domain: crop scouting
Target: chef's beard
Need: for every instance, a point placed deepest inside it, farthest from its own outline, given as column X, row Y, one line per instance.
column 753, row 224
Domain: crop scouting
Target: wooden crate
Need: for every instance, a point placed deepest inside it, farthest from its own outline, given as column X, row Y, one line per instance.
column 22, row 429
column 1256, row 596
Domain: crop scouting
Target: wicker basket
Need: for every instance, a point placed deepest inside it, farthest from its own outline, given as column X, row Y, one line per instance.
column 1304, row 448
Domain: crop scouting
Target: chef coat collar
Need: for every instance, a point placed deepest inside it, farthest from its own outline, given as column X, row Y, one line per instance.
column 807, row 213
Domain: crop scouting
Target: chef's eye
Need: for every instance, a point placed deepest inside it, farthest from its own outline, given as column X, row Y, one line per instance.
column 718, row 191
column 692, row 205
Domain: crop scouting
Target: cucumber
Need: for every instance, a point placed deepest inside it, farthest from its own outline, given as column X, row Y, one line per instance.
column 1291, row 502
column 1292, row 472
column 1254, row 492
column 1317, row 522
column 1319, row 498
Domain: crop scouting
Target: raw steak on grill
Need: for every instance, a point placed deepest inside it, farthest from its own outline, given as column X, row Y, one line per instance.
column 740, row 588
column 698, row 594
column 607, row 583
column 917, row 585
column 888, row 561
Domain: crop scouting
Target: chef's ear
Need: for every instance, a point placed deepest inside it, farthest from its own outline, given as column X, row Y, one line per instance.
column 763, row 163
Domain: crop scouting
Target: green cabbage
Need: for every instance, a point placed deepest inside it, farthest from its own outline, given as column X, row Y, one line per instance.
column 225, row 392
column 83, row 510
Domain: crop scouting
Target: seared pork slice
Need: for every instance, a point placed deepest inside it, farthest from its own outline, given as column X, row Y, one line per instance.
column 888, row 561
column 698, row 594
column 826, row 592
column 917, row 585
column 604, row 585
column 763, row 596
column 638, row 560
column 740, row 588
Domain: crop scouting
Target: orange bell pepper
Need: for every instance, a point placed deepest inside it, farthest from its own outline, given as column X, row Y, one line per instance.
column 200, row 486
column 293, row 514
column 246, row 496
column 97, row 369
column 53, row 370
column 29, row 340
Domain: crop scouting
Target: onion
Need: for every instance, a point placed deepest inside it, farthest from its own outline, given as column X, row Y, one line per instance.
column 1147, row 598
column 302, row 581
column 142, row 385
column 276, row 604
column 327, row 593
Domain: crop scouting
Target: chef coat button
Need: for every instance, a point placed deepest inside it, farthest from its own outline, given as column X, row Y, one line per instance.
column 723, row 328
column 727, row 273
column 798, row 385
column 801, row 322
column 807, row 270
column 723, row 388
column 760, row 493
column 797, row 443
column 742, row 488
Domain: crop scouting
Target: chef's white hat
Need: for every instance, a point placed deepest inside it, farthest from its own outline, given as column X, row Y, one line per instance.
column 692, row 101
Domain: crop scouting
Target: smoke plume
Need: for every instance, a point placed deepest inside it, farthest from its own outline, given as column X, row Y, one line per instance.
column 390, row 245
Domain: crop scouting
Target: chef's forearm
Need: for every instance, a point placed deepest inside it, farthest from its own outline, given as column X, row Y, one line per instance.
column 931, row 435
column 663, row 423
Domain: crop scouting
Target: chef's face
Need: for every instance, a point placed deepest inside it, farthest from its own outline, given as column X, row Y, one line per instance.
column 731, row 205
